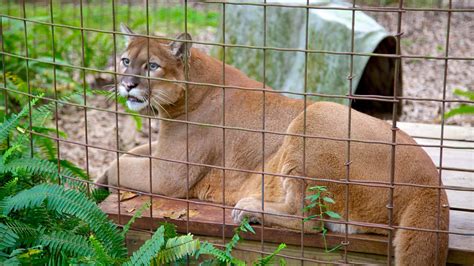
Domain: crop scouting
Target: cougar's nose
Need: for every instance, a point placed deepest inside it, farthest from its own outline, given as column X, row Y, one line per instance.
column 130, row 85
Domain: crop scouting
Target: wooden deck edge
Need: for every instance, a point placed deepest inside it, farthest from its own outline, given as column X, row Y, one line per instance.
column 360, row 243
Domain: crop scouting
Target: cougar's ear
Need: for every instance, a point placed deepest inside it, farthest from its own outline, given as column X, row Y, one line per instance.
column 180, row 47
column 126, row 30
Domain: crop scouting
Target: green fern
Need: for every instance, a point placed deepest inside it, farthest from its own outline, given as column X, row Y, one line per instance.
column 101, row 257
column 8, row 238
column 270, row 259
column 99, row 194
column 209, row 249
column 26, row 233
column 177, row 248
column 170, row 230
column 13, row 121
column 69, row 202
column 243, row 227
column 137, row 214
column 63, row 241
column 149, row 250
column 31, row 166
column 9, row 188
column 72, row 170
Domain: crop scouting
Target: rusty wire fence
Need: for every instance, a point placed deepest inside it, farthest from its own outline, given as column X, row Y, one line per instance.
column 20, row 17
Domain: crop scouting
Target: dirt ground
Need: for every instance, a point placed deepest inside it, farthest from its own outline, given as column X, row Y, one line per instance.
column 424, row 34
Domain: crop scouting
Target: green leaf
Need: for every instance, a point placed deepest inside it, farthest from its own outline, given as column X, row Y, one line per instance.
column 8, row 238
column 247, row 226
column 149, row 250
column 311, row 217
column 333, row 214
column 269, row 260
column 314, row 197
column 463, row 109
column 333, row 249
column 177, row 248
column 11, row 123
column 170, row 230
column 328, row 200
column 101, row 257
column 467, row 94
column 64, row 241
column 317, row 188
column 137, row 214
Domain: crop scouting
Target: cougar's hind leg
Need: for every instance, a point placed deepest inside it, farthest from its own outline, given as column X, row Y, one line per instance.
column 292, row 204
column 251, row 208
column 141, row 150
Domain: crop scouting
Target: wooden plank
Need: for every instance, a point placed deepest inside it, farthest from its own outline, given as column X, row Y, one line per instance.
column 434, row 131
column 248, row 250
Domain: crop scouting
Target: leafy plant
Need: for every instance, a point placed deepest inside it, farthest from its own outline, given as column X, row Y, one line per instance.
column 25, row 160
column 463, row 109
column 319, row 205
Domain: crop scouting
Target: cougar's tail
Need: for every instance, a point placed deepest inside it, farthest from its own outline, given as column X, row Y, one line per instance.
column 414, row 247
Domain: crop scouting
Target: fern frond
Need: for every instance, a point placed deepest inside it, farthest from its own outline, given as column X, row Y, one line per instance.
column 99, row 194
column 46, row 147
column 170, row 230
column 149, row 250
column 14, row 147
column 101, row 257
column 7, row 126
column 25, row 233
column 137, row 214
column 44, row 111
column 73, row 203
column 177, row 248
column 243, row 227
column 73, row 170
column 64, row 241
column 207, row 248
column 31, row 166
column 44, row 168
column 59, row 260
column 9, row 188
column 8, row 238
column 269, row 260
column 39, row 216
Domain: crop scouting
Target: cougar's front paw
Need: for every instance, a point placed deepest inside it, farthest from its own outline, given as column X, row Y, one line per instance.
column 247, row 207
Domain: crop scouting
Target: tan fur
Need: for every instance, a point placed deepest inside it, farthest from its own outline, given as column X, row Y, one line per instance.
column 412, row 207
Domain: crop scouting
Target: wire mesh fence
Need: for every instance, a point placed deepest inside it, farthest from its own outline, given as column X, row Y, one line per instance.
column 53, row 48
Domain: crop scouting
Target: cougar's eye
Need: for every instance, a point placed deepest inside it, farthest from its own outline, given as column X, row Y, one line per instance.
column 154, row 66
column 125, row 61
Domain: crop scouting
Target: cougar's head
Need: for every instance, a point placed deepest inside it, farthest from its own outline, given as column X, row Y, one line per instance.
column 149, row 57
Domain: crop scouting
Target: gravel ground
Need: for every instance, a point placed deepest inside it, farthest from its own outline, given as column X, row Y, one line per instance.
column 424, row 34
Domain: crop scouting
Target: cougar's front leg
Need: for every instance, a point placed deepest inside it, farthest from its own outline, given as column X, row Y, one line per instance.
column 127, row 163
column 133, row 173
column 164, row 177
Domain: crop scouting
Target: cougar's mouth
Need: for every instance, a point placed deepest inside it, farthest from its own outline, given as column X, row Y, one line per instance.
column 134, row 99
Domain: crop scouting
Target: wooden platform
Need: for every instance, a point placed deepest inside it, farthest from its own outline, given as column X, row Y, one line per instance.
column 205, row 220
